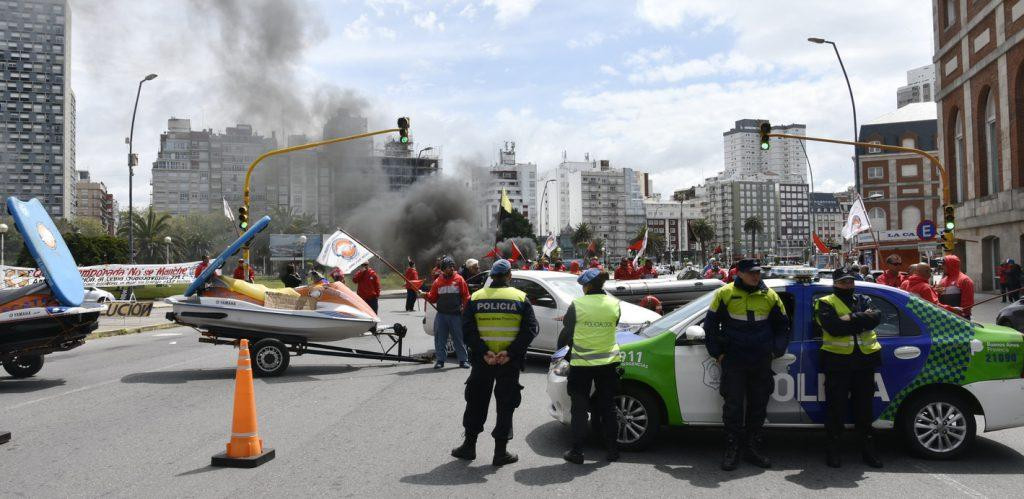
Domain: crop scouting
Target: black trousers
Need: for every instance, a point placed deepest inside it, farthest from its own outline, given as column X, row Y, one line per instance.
column 745, row 388
column 605, row 380
column 410, row 300
column 372, row 302
column 503, row 381
column 1003, row 289
column 845, row 388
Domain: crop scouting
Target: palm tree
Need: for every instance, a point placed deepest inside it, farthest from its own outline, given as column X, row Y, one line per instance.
column 149, row 234
column 704, row 233
column 753, row 226
column 582, row 236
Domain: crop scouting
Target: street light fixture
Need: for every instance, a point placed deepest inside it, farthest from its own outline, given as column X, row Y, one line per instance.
column 3, row 231
column 856, row 151
column 133, row 161
column 420, row 154
column 302, row 252
column 167, row 249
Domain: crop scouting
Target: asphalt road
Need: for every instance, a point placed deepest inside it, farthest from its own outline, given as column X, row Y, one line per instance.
column 141, row 415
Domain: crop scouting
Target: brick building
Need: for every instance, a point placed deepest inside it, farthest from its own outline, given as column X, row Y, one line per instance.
column 979, row 62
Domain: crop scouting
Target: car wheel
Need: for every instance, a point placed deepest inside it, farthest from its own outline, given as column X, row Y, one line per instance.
column 938, row 426
column 639, row 418
column 270, row 357
column 24, row 366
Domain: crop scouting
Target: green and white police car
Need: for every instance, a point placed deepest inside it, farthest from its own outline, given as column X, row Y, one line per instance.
column 938, row 372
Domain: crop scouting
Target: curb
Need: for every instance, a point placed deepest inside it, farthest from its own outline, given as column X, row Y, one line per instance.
column 129, row 330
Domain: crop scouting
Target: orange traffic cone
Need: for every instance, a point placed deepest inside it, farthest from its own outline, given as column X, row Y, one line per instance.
column 245, row 450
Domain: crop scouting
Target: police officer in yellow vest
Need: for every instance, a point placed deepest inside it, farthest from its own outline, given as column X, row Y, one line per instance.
column 746, row 327
column 588, row 328
column 498, row 325
column 850, row 355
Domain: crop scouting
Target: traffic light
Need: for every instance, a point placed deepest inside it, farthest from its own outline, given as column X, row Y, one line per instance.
column 243, row 218
column 766, row 128
column 949, row 240
column 403, row 129
column 950, row 217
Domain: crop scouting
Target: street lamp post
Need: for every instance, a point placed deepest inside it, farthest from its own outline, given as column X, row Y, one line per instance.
column 302, row 253
column 3, row 232
column 167, row 249
column 856, row 151
column 132, row 162
column 543, row 199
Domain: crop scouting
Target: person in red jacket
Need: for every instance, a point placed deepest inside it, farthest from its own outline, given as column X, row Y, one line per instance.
column 647, row 271
column 595, row 264
column 625, row 271
column 367, row 285
column 449, row 294
column 411, row 276
column 892, row 275
column 202, row 265
column 734, row 270
column 240, row 271
column 574, row 267
column 716, row 272
column 918, row 282
column 956, row 289
column 1003, row 271
column 338, row 275
column 558, row 266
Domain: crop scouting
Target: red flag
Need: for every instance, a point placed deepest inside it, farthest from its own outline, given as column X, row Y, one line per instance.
column 637, row 245
column 592, row 248
column 820, row 245
column 494, row 253
column 718, row 249
column 516, row 254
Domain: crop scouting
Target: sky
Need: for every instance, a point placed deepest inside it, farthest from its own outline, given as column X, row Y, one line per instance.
column 650, row 84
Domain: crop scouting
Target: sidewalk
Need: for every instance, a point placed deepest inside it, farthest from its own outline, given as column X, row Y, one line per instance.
column 986, row 312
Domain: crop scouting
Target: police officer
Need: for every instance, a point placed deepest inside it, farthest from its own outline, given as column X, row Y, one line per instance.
column 746, row 328
column 588, row 327
column 499, row 325
column 850, row 355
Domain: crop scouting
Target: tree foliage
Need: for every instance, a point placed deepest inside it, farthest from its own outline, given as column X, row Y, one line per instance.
column 753, row 226
column 704, row 232
column 515, row 225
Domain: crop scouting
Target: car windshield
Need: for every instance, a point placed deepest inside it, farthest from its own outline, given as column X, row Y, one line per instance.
column 678, row 315
column 567, row 286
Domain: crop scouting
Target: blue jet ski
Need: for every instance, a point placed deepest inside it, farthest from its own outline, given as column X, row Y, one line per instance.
column 47, row 316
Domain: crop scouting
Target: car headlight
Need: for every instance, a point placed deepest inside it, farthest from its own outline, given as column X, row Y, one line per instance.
column 560, row 367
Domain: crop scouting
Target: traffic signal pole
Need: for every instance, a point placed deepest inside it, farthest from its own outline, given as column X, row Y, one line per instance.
column 948, row 240
column 403, row 130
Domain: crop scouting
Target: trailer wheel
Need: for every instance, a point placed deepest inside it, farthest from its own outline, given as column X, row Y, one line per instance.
column 24, row 366
column 270, row 357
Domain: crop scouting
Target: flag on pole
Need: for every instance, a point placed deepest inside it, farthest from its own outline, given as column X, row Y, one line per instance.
column 506, row 203
column 858, row 221
column 592, row 248
column 643, row 247
column 516, row 254
column 819, row 244
column 550, row 245
column 343, row 252
column 494, row 253
column 227, row 210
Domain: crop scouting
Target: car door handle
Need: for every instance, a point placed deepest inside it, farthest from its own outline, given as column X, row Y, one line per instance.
column 907, row 353
column 788, row 358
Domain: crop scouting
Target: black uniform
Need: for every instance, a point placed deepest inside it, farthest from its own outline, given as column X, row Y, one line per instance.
column 849, row 378
column 503, row 380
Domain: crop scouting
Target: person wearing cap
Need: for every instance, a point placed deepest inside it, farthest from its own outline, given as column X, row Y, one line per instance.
column 588, row 328
column 500, row 325
column 746, row 328
column 240, row 271
column 850, row 355
column 449, row 294
column 367, row 285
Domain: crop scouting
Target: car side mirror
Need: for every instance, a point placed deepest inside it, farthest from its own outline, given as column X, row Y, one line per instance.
column 693, row 335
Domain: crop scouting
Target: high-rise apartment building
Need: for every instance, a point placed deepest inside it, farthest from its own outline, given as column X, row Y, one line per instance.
column 785, row 161
column 519, row 180
column 37, row 145
column 611, row 201
column 827, row 217
column 93, row 201
column 920, row 86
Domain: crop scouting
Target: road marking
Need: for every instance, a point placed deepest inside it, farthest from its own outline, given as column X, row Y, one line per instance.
column 950, row 481
column 97, row 385
column 159, row 335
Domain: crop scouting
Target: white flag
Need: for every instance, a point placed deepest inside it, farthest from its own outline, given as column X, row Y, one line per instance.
column 227, row 210
column 343, row 252
column 643, row 247
column 857, row 222
column 550, row 245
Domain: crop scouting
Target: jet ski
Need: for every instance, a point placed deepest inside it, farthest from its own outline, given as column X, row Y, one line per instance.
column 47, row 316
column 227, row 307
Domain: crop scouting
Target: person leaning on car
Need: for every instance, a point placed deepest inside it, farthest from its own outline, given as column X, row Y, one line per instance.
column 850, row 355
column 746, row 328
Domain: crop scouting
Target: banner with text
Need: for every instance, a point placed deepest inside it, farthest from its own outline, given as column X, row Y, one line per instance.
column 109, row 276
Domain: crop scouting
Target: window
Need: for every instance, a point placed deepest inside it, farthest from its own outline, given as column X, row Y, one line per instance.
column 957, row 176
column 877, row 218
column 950, row 12
column 875, row 172
column 908, row 142
column 990, row 181
column 874, row 149
column 538, row 296
column 908, row 170
column 910, row 217
column 893, row 323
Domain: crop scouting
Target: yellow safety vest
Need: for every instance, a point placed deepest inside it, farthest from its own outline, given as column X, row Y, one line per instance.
column 497, row 316
column 593, row 339
column 843, row 345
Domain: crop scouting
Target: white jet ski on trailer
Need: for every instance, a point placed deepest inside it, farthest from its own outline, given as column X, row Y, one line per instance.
column 279, row 321
column 48, row 316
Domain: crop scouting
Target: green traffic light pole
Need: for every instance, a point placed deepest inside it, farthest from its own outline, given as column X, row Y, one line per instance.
column 403, row 130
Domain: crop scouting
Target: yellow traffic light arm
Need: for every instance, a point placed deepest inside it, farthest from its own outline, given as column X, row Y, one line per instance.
column 943, row 174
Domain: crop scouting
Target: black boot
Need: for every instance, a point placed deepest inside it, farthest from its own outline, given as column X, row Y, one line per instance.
column 753, row 452
column 611, row 451
column 467, row 450
column 731, row 458
column 573, row 455
column 869, row 453
column 501, row 455
column 832, row 458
